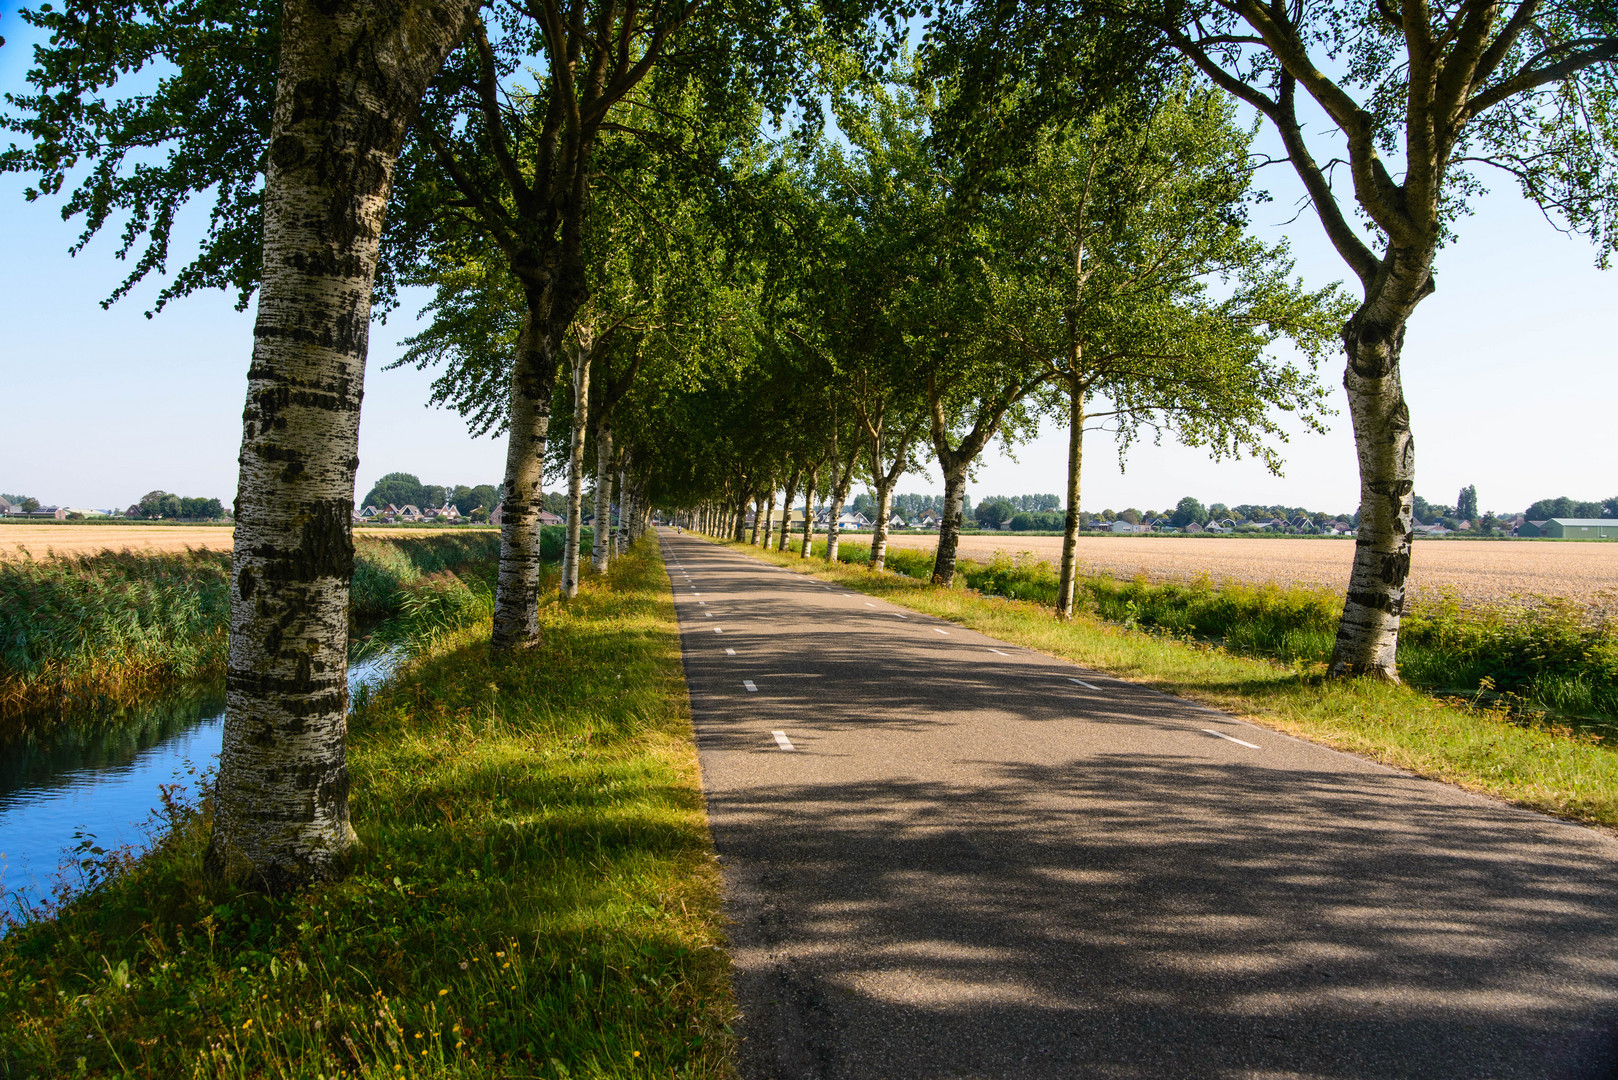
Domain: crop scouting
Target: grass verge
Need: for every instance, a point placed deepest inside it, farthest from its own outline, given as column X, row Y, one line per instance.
column 1546, row 661
column 1558, row 768
column 536, row 895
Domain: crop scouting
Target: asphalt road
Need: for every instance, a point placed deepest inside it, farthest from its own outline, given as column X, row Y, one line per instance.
column 946, row 856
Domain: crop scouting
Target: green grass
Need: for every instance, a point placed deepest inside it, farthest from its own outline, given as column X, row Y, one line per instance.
column 1477, row 741
column 1552, row 659
column 536, row 895
column 92, row 630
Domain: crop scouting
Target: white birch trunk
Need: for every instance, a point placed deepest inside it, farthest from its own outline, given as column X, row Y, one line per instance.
column 1070, row 525
column 516, row 599
column 769, row 517
column 349, row 79
column 884, row 510
column 808, row 515
column 601, row 538
column 1368, row 635
column 949, row 527
column 575, row 469
column 841, row 482
column 786, row 504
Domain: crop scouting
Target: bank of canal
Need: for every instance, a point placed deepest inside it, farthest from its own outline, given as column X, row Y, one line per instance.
column 100, row 784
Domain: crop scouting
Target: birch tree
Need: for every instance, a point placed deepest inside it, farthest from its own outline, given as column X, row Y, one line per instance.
column 347, row 81
column 1424, row 100
column 1115, row 235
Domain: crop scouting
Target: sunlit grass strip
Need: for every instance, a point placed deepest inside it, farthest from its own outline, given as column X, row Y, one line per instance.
column 1548, row 768
column 1547, row 655
column 537, row 894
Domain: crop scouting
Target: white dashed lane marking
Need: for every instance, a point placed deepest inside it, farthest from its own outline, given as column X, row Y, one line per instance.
column 1081, row 682
column 1232, row 738
column 730, row 652
column 782, row 741
column 936, row 630
column 998, row 652
column 748, row 683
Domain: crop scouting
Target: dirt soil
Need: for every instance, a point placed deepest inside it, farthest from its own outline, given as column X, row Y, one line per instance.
column 42, row 541
column 1476, row 571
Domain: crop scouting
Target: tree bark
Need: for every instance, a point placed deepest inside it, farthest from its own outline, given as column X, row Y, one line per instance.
column 949, row 526
column 809, row 513
column 786, row 504
column 349, row 79
column 1368, row 635
column 619, row 545
column 1070, row 526
column 841, row 482
column 884, row 510
column 533, row 377
column 758, row 512
column 600, row 541
column 575, row 470
column 769, row 517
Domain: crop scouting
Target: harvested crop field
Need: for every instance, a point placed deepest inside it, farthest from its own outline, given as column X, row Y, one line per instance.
column 1475, row 571
column 40, row 541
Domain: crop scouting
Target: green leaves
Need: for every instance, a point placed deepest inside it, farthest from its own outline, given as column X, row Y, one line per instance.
column 138, row 106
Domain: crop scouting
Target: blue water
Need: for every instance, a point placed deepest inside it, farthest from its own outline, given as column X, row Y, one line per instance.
column 98, row 784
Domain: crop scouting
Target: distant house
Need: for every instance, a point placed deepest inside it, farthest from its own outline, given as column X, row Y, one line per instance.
column 1122, row 526
column 1431, row 530
column 1193, row 527
column 927, row 521
column 410, row 512
column 895, row 521
column 1572, row 529
column 449, row 512
column 6, row 506
column 369, row 512
column 548, row 518
column 496, row 516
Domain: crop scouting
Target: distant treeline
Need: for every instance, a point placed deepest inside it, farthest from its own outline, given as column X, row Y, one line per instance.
column 155, row 505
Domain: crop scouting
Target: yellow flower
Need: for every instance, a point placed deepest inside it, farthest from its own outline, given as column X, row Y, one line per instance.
column 441, row 993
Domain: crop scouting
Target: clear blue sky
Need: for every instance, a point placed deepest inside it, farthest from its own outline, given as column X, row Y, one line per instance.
column 1509, row 370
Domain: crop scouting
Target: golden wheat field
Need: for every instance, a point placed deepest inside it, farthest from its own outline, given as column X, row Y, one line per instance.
column 1475, row 571
column 42, row 541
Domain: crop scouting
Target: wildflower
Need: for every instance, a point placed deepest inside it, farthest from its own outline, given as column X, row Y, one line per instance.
column 441, row 993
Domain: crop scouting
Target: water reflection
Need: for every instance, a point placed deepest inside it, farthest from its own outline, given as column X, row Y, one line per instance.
column 101, row 778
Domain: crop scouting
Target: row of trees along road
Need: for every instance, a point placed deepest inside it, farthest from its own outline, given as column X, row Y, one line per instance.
column 1043, row 215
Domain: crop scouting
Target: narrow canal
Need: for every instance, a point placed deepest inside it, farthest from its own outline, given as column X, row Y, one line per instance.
column 99, row 784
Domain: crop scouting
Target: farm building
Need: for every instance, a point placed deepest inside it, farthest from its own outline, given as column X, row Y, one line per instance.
column 1572, row 528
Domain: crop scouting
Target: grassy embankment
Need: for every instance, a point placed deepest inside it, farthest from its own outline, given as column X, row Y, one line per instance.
column 82, row 630
column 1260, row 652
column 536, row 894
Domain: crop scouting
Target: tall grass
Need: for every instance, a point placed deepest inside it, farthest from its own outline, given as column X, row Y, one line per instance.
column 535, row 895
column 1550, row 656
column 94, row 629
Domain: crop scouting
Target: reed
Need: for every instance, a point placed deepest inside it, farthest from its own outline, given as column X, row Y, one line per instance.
column 97, row 630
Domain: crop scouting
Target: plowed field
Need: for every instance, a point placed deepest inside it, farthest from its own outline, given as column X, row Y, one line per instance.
column 1476, row 571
